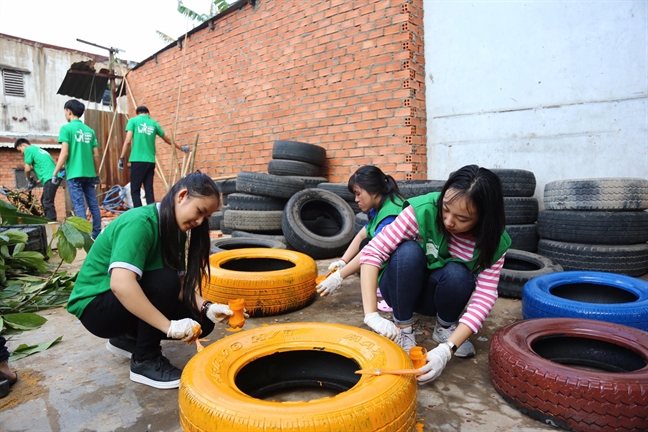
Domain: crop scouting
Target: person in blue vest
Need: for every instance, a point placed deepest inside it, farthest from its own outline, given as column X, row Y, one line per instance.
column 442, row 254
column 377, row 195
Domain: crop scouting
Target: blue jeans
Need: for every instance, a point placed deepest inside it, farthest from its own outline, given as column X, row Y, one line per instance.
column 81, row 187
column 408, row 286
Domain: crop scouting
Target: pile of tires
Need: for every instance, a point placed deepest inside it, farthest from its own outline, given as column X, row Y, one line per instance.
column 596, row 224
column 298, row 160
column 520, row 207
column 519, row 268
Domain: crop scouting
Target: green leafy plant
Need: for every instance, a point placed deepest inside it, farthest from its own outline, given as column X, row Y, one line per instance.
column 215, row 7
column 27, row 284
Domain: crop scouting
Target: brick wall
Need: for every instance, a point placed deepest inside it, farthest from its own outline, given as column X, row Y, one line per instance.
column 347, row 75
column 13, row 159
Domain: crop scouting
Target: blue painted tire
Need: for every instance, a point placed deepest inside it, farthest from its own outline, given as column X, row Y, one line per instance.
column 590, row 295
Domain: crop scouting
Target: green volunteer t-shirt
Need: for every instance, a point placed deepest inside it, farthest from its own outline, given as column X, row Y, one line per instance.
column 144, row 130
column 81, row 141
column 131, row 241
column 41, row 161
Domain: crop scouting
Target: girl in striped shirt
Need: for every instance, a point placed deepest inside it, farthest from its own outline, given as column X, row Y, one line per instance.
column 442, row 253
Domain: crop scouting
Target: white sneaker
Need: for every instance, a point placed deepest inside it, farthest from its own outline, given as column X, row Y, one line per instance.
column 442, row 334
column 406, row 339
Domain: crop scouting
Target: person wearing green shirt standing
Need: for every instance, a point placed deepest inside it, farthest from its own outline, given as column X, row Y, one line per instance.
column 141, row 132
column 80, row 156
column 41, row 162
column 138, row 286
column 377, row 195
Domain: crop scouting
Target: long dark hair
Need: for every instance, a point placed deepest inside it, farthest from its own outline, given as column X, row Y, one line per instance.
column 197, row 185
column 374, row 181
column 483, row 189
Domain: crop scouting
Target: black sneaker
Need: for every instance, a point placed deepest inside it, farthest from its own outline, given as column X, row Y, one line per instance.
column 157, row 372
column 121, row 345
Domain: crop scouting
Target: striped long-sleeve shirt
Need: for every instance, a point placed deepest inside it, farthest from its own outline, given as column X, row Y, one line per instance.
column 461, row 247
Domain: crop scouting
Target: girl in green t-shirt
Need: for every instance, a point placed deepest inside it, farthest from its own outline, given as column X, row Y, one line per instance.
column 135, row 289
column 377, row 195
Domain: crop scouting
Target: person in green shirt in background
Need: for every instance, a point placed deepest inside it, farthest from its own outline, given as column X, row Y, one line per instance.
column 80, row 156
column 41, row 162
column 141, row 131
column 142, row 280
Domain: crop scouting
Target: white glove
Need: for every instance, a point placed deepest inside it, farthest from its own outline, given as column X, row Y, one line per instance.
column 183, row 329
column 330, row 284
column 381, row 326
column 219, row 312
column 436, row 361
column 339, row 264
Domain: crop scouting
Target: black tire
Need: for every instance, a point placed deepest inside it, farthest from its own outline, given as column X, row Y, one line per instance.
column 293, row 168
column 412, row 188
column 354, row 207
column 339, row 189
column 361, row 220
column 224, row 198
column 254, row 221
column 267, row 185
column 588, row 295
column 310, row 182
column 245, row 234
column 597, row 194
column 215, row 220
column 516, row 182
column 241, row 201
column 581, row 375
column 227, row 186
column 519, row 268
column 224, row 228
column 523, row 237
column 330, row 207
column 631, row 260
column 594, row 227
column 223, row 244
column 520, row 211
column 299, row 151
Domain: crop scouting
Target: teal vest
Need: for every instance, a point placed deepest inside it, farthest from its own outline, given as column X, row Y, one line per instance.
column 387, row 209
column 434, row 243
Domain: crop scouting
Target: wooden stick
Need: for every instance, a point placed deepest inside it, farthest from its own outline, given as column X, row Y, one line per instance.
column 185, row 168
column 103, row 158
column 192, row 157
column 377, row 372
column 174, row 158
column 229, row 177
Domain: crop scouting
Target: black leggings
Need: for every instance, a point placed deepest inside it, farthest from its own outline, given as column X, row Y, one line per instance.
column 106, row 317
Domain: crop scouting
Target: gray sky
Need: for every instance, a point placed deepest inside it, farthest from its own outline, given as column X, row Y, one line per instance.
column 126, row 24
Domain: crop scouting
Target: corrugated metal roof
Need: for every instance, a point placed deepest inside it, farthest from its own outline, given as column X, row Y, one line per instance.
column 82, row 81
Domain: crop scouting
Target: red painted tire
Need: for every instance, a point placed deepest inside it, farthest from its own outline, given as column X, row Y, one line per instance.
column 533, row 365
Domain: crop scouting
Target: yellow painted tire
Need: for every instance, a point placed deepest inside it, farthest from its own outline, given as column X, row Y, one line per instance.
column 272, row 281
column 211, row 398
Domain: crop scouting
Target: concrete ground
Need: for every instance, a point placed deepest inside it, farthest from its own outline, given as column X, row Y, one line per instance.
column 77, row 385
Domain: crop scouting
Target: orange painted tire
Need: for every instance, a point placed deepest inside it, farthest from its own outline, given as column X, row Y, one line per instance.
column 272, row 281
column 216, row 384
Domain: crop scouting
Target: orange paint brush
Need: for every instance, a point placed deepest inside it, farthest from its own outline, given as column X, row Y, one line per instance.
column 377, row 372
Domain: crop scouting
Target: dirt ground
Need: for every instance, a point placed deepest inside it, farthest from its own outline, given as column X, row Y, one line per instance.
column 79, row 386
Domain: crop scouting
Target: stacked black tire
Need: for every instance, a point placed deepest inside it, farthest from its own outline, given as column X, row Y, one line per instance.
column 298, row 160
column 412, row 188
column 258, row 203
column 596, row 224
column 342, row 190
column 520, row 207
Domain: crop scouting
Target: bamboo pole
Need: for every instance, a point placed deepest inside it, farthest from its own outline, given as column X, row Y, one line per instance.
column 192, row 158
column 228, row 177
column 103, row 158
column 174, row 157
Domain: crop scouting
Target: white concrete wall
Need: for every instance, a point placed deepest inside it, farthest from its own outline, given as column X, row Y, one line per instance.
column 558, row 88
column 42, row 107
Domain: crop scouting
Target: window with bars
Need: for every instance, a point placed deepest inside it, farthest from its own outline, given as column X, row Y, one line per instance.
column 13, row 83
